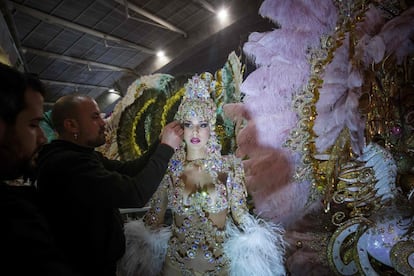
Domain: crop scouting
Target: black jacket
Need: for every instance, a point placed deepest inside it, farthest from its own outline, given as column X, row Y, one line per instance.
column 81, row 192
column 26, row 243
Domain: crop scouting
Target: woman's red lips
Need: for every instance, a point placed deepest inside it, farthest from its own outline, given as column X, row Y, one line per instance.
column 195, row 140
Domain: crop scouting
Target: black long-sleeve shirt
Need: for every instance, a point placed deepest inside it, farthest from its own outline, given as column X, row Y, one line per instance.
column 26, row 243
column 81, row 192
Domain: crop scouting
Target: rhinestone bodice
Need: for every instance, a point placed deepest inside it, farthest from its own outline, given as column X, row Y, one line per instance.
column 202, row 195
column 188, row 197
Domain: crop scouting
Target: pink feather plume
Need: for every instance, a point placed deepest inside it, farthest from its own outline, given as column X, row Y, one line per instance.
column 281, row 56
column 302, row 15
column 398, row 35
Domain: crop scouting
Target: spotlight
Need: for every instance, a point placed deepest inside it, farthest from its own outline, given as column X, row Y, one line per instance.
column 114, row 91
column 222, row 14
column 160, row 54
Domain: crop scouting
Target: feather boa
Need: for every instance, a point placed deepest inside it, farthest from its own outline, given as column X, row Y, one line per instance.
column 145, row 249
column 255, row 248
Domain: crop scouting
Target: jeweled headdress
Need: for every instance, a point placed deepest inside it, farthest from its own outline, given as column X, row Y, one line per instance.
column 197, row 100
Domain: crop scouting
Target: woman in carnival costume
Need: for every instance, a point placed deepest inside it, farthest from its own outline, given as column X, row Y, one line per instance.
column 212, row 231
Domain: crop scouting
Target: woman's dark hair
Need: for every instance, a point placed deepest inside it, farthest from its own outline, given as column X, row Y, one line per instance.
column 13, row 85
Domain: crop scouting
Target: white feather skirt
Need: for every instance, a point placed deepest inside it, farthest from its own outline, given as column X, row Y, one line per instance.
column 256, row 247
column 145, row 249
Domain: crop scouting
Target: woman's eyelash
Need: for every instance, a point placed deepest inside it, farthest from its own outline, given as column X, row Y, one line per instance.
column 202, row 125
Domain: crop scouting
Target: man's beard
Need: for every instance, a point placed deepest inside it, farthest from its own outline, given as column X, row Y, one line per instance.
column 12, row 164
column 99, row 141
column 12, row 169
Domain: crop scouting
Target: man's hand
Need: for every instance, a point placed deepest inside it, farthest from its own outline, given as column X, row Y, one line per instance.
column 172, row 135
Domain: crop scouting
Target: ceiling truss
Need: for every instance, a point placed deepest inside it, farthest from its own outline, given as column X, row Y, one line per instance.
column 73, row 84
column 67, row 24
column 115, row 41
column 151, row 16
column 89, row 63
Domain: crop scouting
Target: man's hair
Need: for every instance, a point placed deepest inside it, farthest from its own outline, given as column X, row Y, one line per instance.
column 13, row 86
column 64, row 108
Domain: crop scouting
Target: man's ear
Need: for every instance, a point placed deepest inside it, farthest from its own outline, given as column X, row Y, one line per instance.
column 71, row 125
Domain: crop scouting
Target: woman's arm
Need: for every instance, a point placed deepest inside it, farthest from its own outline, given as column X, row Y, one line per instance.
column 236, row 189
column 249, row 237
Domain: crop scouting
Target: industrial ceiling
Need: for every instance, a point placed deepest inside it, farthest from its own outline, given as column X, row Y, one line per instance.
column 94, row 47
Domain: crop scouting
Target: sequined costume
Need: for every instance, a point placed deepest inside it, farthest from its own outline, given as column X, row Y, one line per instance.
column 202, row 220
column 194, row 233
column 212, row 232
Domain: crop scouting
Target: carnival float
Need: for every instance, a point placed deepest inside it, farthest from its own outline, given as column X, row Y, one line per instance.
column 324, row 125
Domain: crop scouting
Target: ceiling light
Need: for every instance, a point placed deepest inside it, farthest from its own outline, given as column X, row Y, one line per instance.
column 222, row 14
column 114, row 91
column 111, row 97
column 160, row 54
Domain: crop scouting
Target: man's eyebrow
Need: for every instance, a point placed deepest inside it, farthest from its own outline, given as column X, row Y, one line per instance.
column 36, row 120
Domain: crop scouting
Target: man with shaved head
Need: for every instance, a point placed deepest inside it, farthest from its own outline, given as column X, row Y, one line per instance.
column 81, row 190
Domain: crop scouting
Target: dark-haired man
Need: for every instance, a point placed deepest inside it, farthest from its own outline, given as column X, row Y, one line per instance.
column 26, row 244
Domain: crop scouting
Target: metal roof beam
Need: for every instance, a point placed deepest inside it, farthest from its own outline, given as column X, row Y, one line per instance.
column 206, row 5
column 151, row 16
column 74, row 84
column 58, row 21
column 77, row 60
